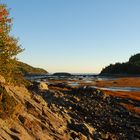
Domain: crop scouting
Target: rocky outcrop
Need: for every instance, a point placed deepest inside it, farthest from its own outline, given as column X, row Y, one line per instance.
column 38, row 87
column 29, row 118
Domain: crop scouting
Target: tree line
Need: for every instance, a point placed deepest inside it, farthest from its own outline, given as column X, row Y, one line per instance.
column 130, row 67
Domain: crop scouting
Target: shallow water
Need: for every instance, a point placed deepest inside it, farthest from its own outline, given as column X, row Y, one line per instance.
column 85, row 79
column 119, row 88
column 73, row 84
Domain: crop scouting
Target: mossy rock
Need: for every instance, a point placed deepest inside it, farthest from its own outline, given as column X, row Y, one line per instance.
column 7, row 104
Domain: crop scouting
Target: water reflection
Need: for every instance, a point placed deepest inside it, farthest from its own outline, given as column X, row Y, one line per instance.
column 118, row 88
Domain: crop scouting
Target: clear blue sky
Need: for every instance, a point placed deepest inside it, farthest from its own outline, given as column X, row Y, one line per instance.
column 76, row 35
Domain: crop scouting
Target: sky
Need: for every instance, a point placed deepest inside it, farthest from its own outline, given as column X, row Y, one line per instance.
column 76, row 35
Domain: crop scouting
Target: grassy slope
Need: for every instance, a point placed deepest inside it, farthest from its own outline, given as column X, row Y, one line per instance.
column 27, row 69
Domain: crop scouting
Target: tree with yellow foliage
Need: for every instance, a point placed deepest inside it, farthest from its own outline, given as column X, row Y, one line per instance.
column 9, row 47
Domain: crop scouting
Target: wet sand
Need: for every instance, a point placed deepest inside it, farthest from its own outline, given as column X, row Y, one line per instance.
column 124, row 82
column 120, row 82
column 133, row 95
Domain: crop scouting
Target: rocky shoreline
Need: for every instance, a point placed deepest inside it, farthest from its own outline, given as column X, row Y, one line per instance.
column 61, row 112
column 104, row 113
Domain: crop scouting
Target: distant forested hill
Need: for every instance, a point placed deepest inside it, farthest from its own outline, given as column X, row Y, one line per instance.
column 130, row 67
column 27, row 69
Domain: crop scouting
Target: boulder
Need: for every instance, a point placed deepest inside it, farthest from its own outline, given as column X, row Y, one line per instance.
column 43, row 86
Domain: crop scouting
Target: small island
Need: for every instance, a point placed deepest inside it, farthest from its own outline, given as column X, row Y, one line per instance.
column 62, row 74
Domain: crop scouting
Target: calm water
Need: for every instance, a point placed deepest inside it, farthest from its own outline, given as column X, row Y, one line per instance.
column 119, row 88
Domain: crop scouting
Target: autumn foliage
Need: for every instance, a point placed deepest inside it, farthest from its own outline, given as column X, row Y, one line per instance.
column 4, row 20
column 9, row 47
